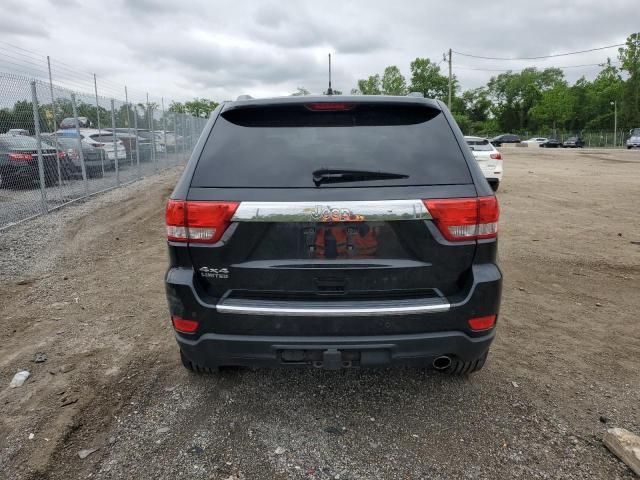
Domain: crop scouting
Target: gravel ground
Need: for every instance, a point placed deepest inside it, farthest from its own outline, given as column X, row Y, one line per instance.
column 84, row 286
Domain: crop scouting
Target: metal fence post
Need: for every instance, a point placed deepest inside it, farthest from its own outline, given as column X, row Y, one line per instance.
column 115, row 141
column 36, row 127
column 79, row 139
column 55, row 128
column 126, row 102
column 95, row 87
column 135, row 129
column 183, row 126
column 164, row 134
column 153, row 137
column 175, row 137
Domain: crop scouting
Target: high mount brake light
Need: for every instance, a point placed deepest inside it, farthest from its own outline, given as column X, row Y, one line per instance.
column 329, row 106
column 198, row 222
column 464, row 219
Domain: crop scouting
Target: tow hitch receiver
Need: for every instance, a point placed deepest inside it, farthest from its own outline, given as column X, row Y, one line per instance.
column 332, row 359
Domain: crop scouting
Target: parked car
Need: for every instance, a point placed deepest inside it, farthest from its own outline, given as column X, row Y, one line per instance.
column 95, row 160
column 505, row 138
column 100, row 139
column 130, row 140
column 18, row 131
column 19, row 162
column 171, row 141
column 634, row 138
column 70, row 122
column 551, row 143
column 573, row 142
column 372, row 243
column 153, row 139
column 536, row 141
column 489, row 160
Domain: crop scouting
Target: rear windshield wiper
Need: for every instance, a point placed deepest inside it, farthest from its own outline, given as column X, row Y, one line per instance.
column 329, row 175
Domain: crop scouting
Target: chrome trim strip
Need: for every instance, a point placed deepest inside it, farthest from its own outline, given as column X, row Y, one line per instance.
column 323, row 211
column 332, row 312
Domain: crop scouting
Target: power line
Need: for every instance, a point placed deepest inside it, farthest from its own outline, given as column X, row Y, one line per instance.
column 464, row 67
column 541, row 56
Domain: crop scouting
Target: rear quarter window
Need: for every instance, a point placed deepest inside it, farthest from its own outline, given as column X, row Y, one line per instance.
column 281, row 147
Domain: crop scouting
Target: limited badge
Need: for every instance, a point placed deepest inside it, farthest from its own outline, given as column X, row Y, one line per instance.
column 209, row 272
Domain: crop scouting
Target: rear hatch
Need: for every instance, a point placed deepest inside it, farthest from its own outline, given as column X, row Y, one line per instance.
column 326, row 200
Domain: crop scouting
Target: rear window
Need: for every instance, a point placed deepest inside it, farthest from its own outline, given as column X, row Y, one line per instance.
column 104, row 138
column 281, row 146
column 19, row 142
column 65, row 142
column 480, row 145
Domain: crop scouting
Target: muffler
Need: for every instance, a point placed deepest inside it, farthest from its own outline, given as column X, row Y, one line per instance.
column 442, row 363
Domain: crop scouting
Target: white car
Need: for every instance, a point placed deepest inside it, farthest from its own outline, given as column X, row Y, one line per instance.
column 101, row 139
column 489, row 159
column 634, row 139
column 535, row 140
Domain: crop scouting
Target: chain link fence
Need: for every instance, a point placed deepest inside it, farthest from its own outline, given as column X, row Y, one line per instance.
column 591, row 139
column 58, row 146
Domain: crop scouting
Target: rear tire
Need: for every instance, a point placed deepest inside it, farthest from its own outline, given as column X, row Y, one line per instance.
column 460, row 367
column 494, row 186
column 192, row 367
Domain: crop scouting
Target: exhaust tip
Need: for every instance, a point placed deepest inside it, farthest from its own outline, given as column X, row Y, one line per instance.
column 441, row 363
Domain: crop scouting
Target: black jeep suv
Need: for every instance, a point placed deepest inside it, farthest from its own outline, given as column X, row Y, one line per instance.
column 333, row 232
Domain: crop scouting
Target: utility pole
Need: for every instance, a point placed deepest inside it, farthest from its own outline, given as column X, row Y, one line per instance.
column 615, row 122
column 450, row 80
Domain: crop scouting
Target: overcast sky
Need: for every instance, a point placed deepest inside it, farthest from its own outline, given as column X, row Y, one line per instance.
column 221, row 49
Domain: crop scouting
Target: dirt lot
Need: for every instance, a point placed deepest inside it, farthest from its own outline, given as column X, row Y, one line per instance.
column 84, row 286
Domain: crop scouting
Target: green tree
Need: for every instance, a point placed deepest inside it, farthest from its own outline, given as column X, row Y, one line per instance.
column 595, row 109
column 555, row 108
column 200, row 107
column 176, row 107
column 301, row 91
column 393, row 82
column 427, row 79
column 629, row 56
column 515, row 94
column 369, row 86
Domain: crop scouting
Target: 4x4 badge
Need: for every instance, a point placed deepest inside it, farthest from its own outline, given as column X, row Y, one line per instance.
column 214, row 272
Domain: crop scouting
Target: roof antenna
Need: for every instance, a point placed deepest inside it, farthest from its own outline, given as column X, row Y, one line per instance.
column 330, row 91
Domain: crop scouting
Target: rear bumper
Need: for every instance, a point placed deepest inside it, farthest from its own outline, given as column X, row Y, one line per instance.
column 232, row 338
column 332, row 352
column 28, row 171
column 493, row 174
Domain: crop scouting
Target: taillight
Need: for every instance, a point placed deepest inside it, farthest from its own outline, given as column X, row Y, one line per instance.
column 478, row 324
column 329, row 106
column 198, row 222
column 183, row 325
column 61, row 155
column 496, row 156
column 20, row 157
column 462, row 219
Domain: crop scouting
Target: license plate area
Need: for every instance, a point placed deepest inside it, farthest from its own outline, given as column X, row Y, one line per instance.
column 335, row 358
